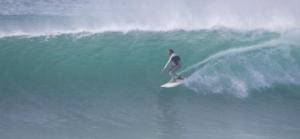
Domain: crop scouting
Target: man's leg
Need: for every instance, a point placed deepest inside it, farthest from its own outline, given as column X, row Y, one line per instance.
column 173, row 74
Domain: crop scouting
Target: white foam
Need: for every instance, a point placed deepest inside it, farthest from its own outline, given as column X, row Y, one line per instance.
column 147, row 15
column 260, row 66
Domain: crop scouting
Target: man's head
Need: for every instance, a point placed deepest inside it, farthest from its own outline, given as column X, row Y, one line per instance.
column 171, row 51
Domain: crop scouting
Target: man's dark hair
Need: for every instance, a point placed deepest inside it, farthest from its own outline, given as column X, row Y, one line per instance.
column 171, row 51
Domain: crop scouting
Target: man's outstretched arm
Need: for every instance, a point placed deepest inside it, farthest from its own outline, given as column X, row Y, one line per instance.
column 167, row 64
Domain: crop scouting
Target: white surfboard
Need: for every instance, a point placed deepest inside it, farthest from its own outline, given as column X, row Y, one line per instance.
column 172, row 84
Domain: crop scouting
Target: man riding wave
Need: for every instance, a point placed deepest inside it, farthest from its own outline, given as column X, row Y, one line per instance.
column 173, row 64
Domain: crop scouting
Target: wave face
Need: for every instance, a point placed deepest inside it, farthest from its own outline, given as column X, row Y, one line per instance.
column 42, row 17
column 239, row 84
column 89, row 69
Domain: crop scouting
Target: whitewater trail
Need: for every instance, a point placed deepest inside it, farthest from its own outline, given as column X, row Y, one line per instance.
column 217, row 73
column 229, row 52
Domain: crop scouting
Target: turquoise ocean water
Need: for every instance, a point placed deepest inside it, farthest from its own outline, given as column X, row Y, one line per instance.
column 64, row 78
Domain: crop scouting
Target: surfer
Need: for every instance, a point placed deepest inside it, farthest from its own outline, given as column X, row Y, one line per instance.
column 174, row 64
